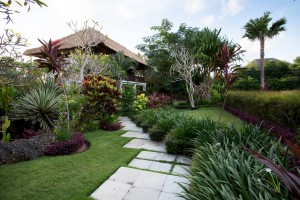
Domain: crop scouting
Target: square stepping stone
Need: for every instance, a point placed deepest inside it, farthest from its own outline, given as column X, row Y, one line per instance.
column 171, row 185
column 183, row 159
column 181, row 170
column 151, row 180
column 135, row 144
column 146, row 144
column 111, row 190
column 169, row 196
column 132, row 128
column 160, row 167
column 126, row 175
column 148, row 155
column 138, row 193
column 144, row 164
column 134, row 134
column 166, row 157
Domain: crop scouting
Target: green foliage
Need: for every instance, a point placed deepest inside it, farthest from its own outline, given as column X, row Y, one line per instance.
column 225, row 172
column 281, row 108
column 75, row 103
column 40, row 105
column 128, row 97
column 102, row 97
column 247, row 83
column 5, row 135
column 167, row 120
column 6, row 98
column 140, row 103
column 180, row 138
column 18, row 73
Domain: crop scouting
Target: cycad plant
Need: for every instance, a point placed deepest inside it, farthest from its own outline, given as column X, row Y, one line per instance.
column 40, row 105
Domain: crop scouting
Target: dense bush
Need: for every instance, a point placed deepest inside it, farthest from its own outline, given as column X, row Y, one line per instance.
column 66, row 147
column 102, row 97
column 281, row 108
column 128, row 97
column 247, row 83
column 179, row 139
column 39, row 105
column 167, row 120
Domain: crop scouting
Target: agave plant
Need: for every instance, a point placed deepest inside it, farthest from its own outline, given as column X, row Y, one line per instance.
column 40, row 105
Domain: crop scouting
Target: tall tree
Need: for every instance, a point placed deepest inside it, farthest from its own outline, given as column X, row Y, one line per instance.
column 260, row 29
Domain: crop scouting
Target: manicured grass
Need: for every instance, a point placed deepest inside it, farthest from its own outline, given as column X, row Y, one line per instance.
column 67, row 177
column 214, row 113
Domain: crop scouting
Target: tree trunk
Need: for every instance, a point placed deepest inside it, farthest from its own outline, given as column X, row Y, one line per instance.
column 81, row 71
column 190, row 90
column 262, row 68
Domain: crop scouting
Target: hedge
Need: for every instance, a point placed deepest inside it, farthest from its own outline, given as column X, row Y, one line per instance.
column 282, row 108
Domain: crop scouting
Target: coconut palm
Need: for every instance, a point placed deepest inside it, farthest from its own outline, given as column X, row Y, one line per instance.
column 259, row 29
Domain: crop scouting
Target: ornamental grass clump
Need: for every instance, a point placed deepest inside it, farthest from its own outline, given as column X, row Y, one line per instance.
column 226, row 172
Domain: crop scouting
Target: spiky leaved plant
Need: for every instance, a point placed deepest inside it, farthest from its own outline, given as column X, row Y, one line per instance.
column 40, row 105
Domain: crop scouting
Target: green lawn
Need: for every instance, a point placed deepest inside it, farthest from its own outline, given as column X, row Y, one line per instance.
column 67, row 177
column 214, row 113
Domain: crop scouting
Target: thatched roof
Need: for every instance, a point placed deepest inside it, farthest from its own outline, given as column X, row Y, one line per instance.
column 90, row 35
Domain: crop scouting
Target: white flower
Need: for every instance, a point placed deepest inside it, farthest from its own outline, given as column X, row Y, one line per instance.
column 268, row 170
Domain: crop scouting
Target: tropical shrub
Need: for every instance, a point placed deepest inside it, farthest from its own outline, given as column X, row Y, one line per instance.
column 179, row 140
column 157, row 100
column 140, row 103
column 66, row 147
column 40, row 105
column 167, row 120
column 102, row 97
column 149, row 121
column 247, row 83
column 29, row 133
column 128, row 97
column 141, row 116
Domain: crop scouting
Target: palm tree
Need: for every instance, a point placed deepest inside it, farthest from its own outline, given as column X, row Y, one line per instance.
column 259, row 29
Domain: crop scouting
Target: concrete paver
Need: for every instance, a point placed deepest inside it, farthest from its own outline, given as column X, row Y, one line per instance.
column 111, row 190
column 144, row 164
column 139, row 193
column 134, row 134
column 181, row 170
column 136, row 184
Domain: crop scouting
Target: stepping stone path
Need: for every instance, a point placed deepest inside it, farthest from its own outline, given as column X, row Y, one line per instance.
column 152, row 175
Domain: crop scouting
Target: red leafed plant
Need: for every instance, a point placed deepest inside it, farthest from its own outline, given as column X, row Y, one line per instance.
column 226, row 55
column 290, row 180
column 51, row 59
column 157, row 101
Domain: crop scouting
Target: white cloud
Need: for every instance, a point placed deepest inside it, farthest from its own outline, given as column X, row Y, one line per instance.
column 232, row 7
column 194, row 6
column 124, row 11
column 209, row 20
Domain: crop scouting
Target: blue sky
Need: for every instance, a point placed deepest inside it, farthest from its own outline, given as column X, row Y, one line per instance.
column 128, row 21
